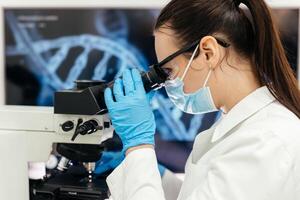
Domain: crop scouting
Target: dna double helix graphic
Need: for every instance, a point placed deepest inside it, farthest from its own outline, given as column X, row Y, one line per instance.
column 112, row 43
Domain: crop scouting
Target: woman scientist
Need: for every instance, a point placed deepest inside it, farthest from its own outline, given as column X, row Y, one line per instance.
column 225, row 60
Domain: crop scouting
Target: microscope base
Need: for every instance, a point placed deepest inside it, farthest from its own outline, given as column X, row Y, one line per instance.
column 69, row 187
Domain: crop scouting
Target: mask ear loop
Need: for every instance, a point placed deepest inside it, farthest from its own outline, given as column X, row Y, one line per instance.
column 208, row 76
column 189, row 64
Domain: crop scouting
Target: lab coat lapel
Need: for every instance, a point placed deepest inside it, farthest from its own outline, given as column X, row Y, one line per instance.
column 206, row 140
column 203, row 143
column 242, row 111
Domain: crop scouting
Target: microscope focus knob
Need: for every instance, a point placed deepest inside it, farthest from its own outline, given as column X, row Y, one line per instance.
column 67, row 126
column 86, row 128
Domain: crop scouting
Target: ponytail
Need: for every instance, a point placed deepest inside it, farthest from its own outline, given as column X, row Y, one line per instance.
column 271, row 63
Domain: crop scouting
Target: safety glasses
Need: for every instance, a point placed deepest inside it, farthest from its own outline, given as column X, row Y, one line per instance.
column 186, row 49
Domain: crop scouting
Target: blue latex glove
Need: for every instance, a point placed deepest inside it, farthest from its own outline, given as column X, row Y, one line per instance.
column 131, row 114
column 108, row 161
column 111, row 160
column 161, row 169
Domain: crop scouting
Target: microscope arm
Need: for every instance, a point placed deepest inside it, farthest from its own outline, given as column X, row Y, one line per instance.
column 27, row 135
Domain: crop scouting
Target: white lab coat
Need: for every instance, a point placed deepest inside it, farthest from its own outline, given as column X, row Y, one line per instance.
column 252, row 153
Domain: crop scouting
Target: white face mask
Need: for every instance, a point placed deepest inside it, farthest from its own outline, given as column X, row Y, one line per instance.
column 198, row 102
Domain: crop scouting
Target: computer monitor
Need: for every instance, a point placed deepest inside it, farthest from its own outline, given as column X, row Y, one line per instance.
column 48, row 48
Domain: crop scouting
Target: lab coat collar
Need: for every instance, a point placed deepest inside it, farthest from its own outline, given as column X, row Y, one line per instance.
column 251, row 104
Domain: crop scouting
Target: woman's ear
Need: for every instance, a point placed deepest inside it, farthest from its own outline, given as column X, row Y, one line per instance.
column 209, row 48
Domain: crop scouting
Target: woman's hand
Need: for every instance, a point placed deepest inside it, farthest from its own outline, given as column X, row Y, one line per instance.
column 130, row 112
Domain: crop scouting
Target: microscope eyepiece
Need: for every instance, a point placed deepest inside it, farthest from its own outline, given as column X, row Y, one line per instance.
column 152, row 79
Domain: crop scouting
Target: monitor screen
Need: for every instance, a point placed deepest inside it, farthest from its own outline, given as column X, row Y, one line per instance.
column 48, row 49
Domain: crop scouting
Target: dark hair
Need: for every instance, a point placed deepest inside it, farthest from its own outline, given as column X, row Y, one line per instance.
column 254, row 37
